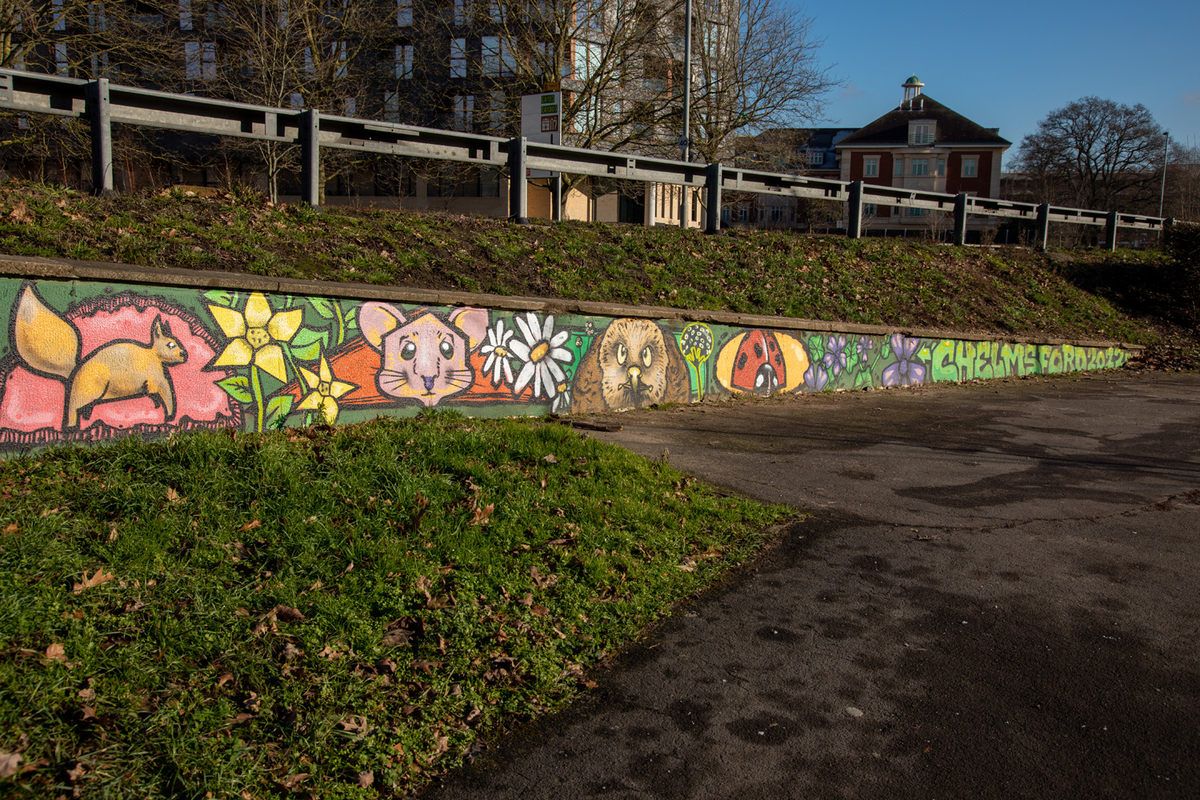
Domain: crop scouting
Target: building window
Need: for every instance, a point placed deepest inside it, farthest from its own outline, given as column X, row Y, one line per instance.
column 458, row 58
column 868, row 209
column 464, row 111
column 185, row 15
column 61, row 66
column 489, row 182
column 404, row 13
column 916, row 212
column 870, row 167
column 899, row 167
column 970, row 167
column 404, row 61
column 391, row 106
column 587, row 60
column 339, row 52
column 920, row 133
column 200, row 60
column 815, row 158
column 57, row 15
column 460, row 12
column 497, row 112
column 941, row 169
column 97, row 18
column 920, row 166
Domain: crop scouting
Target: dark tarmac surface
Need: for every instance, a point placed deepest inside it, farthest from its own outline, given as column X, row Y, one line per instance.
column 996, row 596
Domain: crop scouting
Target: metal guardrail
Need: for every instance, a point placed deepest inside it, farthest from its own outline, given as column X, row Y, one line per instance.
column 102, row 104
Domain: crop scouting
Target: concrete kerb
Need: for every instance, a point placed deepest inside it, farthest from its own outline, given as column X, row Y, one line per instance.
column 66, row 269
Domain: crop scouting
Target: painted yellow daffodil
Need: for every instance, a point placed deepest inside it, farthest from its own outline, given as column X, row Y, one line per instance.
column 325, row 392
column 254, row 333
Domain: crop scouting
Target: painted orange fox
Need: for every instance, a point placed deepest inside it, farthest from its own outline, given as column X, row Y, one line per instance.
column 49, row 345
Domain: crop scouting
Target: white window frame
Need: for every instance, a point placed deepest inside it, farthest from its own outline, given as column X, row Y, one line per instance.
column 921, row 132
column 871, row 167
column 898, row 166
column 970, row 167
column 920, row 167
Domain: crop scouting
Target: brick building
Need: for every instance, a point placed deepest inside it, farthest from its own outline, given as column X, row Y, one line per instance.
column 923, row 145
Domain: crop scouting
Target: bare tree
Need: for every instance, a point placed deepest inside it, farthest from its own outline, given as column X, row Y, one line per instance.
column 315, row 54
column 1095, row 153
column 758, row 68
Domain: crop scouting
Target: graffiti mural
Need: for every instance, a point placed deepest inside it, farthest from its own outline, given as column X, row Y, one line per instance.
column 91, row 361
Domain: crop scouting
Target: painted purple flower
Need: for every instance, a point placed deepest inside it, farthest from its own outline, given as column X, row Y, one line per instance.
column 863, row 347
column 907, row 371
column 816, row 377
column 835, row 354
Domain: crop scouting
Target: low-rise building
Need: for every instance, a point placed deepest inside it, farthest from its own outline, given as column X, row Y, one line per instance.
column 922, row 145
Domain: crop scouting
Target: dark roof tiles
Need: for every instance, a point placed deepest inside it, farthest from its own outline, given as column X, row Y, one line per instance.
column 952, row 127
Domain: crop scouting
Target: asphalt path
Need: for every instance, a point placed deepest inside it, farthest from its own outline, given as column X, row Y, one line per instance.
column 995, row 596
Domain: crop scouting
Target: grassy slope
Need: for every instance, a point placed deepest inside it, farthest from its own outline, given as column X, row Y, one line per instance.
column 897, row 282
column 335, row 611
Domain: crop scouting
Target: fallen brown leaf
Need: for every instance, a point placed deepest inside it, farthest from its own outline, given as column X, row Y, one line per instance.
column 292, row 781
column 366, row 778
column 56, row 652
column 287, row 614
column 11, row 528
column 173, row 496
column 482, row 514
column 249, row 526
column 96, row 579
column 10, row 764
column 539, row 611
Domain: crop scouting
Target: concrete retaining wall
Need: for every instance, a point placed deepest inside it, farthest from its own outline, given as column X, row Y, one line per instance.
column 95, row 351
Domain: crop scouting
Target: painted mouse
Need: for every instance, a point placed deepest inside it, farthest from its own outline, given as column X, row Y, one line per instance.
column 425, row 354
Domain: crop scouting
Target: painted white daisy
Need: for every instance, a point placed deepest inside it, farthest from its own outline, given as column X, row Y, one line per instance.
column 499, row 354
column 541, row 351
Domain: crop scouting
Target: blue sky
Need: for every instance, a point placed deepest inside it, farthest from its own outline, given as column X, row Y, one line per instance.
column 1008, row 65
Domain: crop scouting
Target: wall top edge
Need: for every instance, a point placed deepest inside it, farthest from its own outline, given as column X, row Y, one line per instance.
column 72, row 270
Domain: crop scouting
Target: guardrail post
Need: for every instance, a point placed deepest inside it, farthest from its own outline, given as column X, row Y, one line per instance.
column 99, row 112
column 1110, row 232
column 518, row 186
column 556, row 198
column 1043, row 226
column 650, row 198
column 310, row 157
column 854, row 223
column 712, row 191
column 960, row 219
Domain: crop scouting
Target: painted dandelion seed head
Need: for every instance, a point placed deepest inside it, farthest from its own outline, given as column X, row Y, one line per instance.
column 697, row 342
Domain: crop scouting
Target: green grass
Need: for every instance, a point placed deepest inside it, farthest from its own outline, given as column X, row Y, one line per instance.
column 315, row 608
column 905, row 283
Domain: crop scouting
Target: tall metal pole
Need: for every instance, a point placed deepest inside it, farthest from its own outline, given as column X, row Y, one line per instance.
column 1162, row 192
column 685, row 141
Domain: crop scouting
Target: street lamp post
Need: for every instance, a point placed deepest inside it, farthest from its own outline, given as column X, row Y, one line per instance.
column 1162, row 192
column 685, row 140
